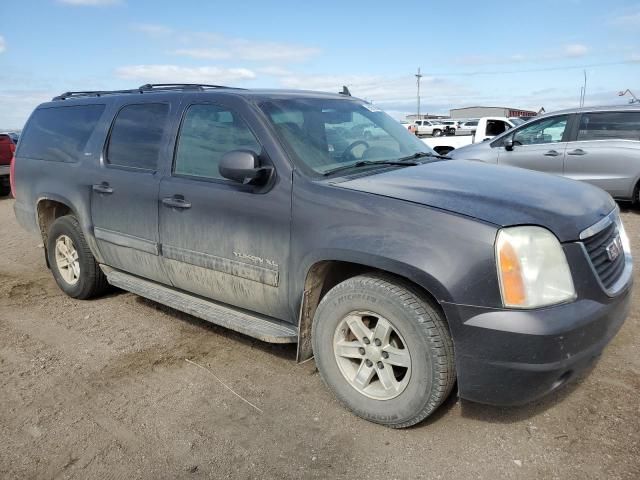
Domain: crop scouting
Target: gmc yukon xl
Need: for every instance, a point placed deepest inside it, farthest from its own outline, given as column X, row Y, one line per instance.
column 269, row 213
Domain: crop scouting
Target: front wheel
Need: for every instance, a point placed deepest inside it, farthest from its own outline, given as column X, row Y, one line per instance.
column 384, row 350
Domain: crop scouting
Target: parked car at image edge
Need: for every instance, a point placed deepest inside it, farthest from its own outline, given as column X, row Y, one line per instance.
column 7, row 149
column 599, row 145
column 267, row 212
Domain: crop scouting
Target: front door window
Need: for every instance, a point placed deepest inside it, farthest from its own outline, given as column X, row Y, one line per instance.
column 548, row 130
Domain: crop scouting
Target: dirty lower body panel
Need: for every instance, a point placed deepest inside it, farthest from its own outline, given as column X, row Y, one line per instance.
column 253, row 324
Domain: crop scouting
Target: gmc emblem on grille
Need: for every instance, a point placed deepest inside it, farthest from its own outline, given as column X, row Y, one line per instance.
column 614, row 249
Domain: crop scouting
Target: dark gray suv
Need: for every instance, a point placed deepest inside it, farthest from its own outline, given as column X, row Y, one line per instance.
column 269, row 213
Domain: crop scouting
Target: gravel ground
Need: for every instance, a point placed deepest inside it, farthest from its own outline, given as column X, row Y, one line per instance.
column 102, row 389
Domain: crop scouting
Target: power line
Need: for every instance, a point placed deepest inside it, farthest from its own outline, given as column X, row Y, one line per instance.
column 392, row 82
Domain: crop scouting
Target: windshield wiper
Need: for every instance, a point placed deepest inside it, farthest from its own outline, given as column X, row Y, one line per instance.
column 423, row 154
column 404, row 162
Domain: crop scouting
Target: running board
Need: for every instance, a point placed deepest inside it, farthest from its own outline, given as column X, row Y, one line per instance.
column 255, row 325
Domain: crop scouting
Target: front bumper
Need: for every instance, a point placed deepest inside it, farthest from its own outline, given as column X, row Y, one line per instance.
column 510, row 357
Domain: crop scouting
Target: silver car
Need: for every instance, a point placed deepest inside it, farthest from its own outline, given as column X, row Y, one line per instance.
column 598, row 145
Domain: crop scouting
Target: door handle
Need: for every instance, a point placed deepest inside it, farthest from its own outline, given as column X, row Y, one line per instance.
column 551, row 153
column 577, row 151
column 102, row 188
column 176, row 202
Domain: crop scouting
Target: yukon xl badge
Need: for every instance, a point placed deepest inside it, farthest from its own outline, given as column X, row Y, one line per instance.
column 614, row 248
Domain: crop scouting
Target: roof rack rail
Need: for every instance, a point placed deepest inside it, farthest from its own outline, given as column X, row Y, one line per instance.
column 179, row 86
column 148, row 87
column 92, row 93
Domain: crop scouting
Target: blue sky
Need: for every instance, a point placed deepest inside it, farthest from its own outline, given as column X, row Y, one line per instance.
column 526, row 54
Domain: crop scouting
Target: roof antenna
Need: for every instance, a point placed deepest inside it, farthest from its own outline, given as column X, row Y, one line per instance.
column 345, row 91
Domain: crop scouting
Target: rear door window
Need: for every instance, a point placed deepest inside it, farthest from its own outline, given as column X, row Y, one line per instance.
column 59, row 134
column 136, row 136
column 207, row 133
column 609, row 126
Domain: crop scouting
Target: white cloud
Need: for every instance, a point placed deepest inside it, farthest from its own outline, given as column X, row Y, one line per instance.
column 90, row 3
column 274, row 71
column 390, row 93
column 629, row 19
column 179, row 74
column 17, row 105
column 152, row 29
column 214, row 46
column 253, row 51
column 575, row 50
column 3, row 44
column 271, row 51
column 203, row 53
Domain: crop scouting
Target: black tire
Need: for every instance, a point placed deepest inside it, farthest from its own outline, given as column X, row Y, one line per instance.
column 91, row 281
column 423, row 329
column 5, row 189
column 437, row 132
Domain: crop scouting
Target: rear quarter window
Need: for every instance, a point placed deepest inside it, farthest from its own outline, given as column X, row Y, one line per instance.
column 609, row 126
column 59, row 134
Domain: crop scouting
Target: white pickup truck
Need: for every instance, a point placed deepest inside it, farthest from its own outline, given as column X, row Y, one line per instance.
column 488, row 127
column 429, row 127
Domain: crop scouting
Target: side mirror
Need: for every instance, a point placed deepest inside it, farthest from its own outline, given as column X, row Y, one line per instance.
column 243, row 166
column 508, row 143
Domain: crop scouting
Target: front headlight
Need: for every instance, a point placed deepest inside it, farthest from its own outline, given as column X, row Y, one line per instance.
column 532, row 268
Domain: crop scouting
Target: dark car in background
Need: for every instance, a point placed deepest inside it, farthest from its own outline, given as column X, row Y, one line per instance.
column 272, row 213
column 7, row 149
column 598, row 145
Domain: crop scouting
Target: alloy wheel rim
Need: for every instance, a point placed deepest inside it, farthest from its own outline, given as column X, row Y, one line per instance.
column 372, row 355
column 67, row 260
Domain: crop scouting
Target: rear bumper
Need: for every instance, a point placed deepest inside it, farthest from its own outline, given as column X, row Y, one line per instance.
column 507, row 357
column 4, row 170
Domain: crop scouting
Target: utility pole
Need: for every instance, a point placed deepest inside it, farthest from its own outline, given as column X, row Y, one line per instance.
column 583, row 90
column 633, row 100
column 418, row 77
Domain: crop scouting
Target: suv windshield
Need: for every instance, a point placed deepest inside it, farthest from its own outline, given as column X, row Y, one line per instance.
column 325, row 134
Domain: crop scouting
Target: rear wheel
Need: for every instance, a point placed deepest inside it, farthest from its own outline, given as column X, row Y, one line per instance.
column 437, row 132
column 74, row 269
column 384, row 350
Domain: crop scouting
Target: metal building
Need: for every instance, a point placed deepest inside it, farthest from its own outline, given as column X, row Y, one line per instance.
column 478, row 112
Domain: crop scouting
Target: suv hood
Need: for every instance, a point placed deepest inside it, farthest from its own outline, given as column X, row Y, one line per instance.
column 500, row 195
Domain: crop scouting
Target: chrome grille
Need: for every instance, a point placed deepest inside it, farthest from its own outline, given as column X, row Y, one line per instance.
column 596, row 245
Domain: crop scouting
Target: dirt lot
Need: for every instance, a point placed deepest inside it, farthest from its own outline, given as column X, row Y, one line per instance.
column 102, row 389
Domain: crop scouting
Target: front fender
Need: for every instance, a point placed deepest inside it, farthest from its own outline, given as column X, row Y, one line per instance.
column 451, row 256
